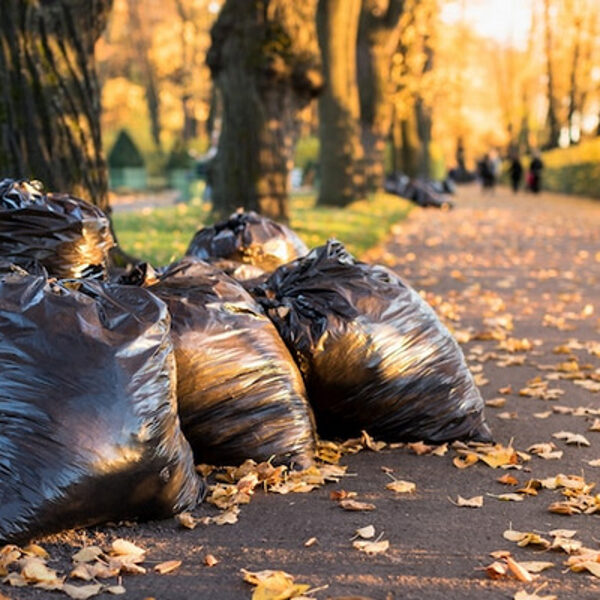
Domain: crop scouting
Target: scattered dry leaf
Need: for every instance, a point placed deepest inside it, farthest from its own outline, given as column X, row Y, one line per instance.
column 371, row 548
column 402, row 487
column 355, row 505
column 167, row 567
column 210, row 560
column 366, row 532
column 474, row 502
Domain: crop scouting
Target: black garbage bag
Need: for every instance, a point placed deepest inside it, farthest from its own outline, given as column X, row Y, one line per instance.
column 373, row 353
column 239, row 391
column 68, row 236
column 89, row 431
column 248, row 238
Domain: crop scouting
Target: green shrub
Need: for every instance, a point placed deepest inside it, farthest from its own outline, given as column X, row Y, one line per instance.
column 125, row 153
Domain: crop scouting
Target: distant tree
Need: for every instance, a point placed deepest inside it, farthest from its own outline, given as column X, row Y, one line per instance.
column 265, row 63
column 341, row 157
column 378, row 38
column 49, row 95
column 552, row 115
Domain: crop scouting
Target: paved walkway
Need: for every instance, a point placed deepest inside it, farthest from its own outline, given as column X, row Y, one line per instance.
column 515, row 277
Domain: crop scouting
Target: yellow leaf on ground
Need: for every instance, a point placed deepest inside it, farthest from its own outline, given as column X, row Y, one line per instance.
column 274, row 585
column 167, row 567
column 402, row 487
column 523, row 595
column 518, row 571
column 34, row 570
column 571, row 438
column 87, row 554
column 349, row 504
column 186, row 520
column 475, row 502
column 536, row 566
column 123, row 547
column 371, row 548
column 210, row 560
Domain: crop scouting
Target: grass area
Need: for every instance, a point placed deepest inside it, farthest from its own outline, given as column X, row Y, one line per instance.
column 574, row 170
column 161, row 235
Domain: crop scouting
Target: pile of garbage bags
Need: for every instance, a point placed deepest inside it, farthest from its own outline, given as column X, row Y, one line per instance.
column 246, row 348
column 66, row 235
column 422, row 192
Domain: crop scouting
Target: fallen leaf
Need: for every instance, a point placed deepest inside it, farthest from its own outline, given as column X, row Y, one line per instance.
column 542, row 415
column 518, row 571
column 167, row 567
column 35, row 570
column 371, row 548
column 370, row 443
column 88, row 554
column 497, row 570
column 474, row 502
column 571, row 438
column 186, row 520
column 419, row 448
column 274, row 585
column 592, row 567
column 82, row 592
column 355, row 505
column 115, row 590
column 547, row 451
column 535, row 566
column 508, row 497
column 594, row 463
column 366, row 532
column 229, row 517
column 35, row 550
column 402, row 487
column 496, row 402
column 210, row 560
column 508, row 480
column 563, row 533
column 123, row 547
column 595, row 426
column 523, row 595
column 311, row 542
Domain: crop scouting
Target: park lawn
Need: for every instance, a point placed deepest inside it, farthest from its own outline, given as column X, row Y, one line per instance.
column 161, row 235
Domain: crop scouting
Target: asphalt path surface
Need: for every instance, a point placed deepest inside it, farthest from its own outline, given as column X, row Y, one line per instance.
column 516, row 278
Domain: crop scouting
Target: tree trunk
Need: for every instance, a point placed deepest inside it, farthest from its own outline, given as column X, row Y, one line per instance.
column 49, row 95
column 574, row 93
column 342, row 179
column 423, row 111
column 552, row 118
column 264, row 61
column 378, row 37
column 148, row 75
column 410, row 147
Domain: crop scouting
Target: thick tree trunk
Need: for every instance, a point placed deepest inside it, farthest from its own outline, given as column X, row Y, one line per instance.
column 264, row 61
column 342, row 178
column 141, row 43
column 378, row 37
column 552, row 118
column 410, row 147
column 423, row 112
column 49, row 95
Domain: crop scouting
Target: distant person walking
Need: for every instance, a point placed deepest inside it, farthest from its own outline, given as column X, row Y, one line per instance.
column 534, row 176
column 487, row 175
column 516, row 172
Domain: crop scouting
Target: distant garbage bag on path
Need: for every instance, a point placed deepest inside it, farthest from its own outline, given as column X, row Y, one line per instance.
column 421, row 192
column 240, row 393
column 89, row 428
column 373, row 353
column 246, row 237
column 68, row 236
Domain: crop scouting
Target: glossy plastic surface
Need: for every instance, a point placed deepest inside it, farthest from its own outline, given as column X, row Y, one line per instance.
column 248, row 238
column 240, row 393
column 89, row 431
column 68, row 236
column 373, row 353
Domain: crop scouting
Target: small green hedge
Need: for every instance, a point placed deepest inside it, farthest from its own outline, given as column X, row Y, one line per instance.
column 574, row 170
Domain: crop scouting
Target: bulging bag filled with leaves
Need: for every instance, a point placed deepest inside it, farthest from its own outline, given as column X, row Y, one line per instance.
column 248, row 238
column 374, row 355
column 68, row 236
column 89, row 430
column 239, row 391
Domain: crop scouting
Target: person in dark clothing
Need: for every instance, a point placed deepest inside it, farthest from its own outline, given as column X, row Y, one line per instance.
column 534, row 177
column 516, row 172
column 485, row 170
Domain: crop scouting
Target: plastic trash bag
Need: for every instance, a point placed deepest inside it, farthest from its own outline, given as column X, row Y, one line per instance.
column 89, row 431
column 68, row 236
column 239, row 391
column 373, row 353
column 248, row 238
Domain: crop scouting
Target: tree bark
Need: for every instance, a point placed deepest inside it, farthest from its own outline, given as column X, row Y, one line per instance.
column 378, row 37
column 574, row 92
column 49, row 95
column 552, row 118
column 342, row 179
column 423, row 112
column 141, row 43
column 264, row 61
